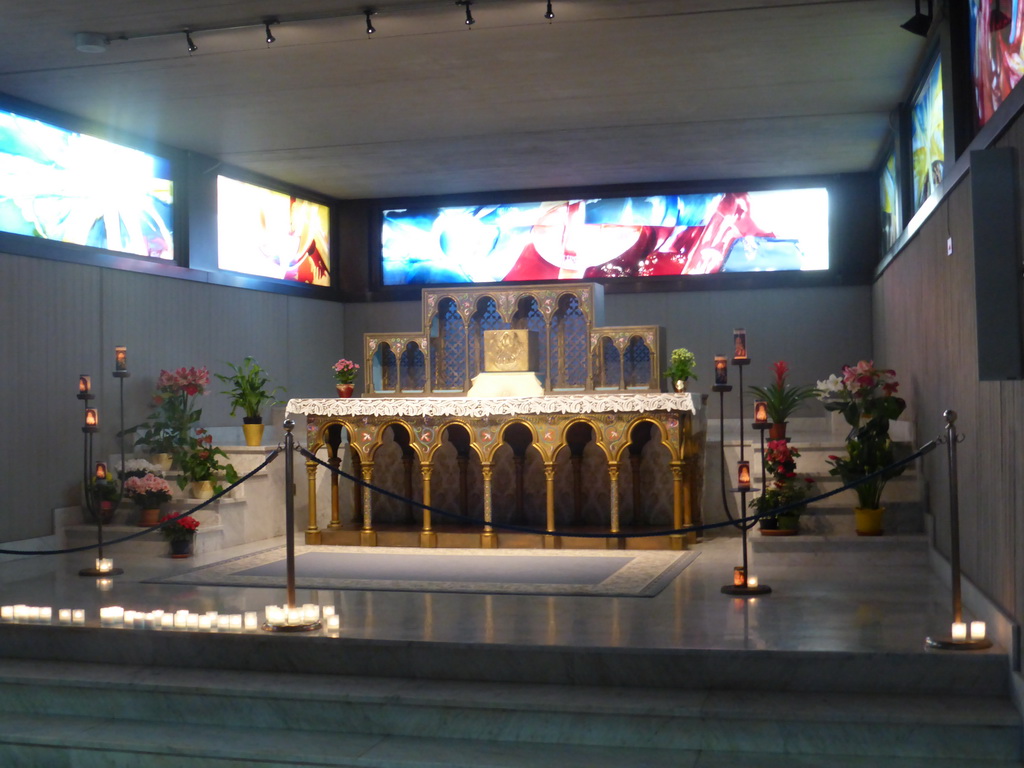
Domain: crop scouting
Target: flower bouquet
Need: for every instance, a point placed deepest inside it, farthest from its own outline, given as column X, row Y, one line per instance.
column 785, row 489
column 866, row 396
column 168, row 428
column 681, row 365
column 148, row 491
column 200, row 462
column 345, row 371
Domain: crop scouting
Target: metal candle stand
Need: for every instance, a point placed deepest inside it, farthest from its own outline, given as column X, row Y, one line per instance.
column 950, row 643
column 289, row 509
column 88, row 493
column 744, row 589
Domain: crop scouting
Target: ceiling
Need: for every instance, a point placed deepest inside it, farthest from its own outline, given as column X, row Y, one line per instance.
column 610, row 91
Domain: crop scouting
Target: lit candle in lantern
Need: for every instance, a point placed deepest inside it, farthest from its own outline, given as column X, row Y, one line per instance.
column 92, row 419
column 739, row 576
column 721, row 370
column 760, row 412
column 977, row 630
column 84, row 384
column 959, row 630
column 739, row 340
column 751, row 581
column 744, row 476
column 120, row 359
column 101, row 471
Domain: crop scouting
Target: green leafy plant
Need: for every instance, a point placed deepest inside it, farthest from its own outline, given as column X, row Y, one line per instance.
column 785, row 487
column 201, row 461
column 781, row 397
column 248, row 391
column 681, row 365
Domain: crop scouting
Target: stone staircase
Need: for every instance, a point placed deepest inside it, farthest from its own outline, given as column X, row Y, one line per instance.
column 420, row 705
column 251, row 512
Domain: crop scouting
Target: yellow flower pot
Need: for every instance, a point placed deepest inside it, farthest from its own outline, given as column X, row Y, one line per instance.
column 253, row 434
column 868, row 521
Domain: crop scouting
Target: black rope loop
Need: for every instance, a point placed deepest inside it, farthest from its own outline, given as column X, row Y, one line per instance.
column 207, row 502
column 748, row 520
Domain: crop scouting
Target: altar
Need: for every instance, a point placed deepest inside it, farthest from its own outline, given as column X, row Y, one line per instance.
column 651, row 440
column 518, row 417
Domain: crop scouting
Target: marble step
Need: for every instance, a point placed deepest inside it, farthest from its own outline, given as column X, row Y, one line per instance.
column 353, row 710
column 840, row 551
column 209, row 538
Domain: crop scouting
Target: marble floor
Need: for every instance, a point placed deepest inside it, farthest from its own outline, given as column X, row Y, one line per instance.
column 867, row 607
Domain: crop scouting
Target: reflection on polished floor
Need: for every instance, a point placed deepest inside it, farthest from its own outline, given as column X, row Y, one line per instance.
column 831, row 663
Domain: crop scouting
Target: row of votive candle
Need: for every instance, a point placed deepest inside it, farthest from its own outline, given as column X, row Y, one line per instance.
column 299, row 615
column 116, row 616
column 977, row 630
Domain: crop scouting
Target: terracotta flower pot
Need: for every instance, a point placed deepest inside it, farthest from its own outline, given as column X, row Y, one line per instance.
column 777, row 431
column 148, row 518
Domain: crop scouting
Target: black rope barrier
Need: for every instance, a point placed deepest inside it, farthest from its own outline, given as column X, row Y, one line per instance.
column 216, row 497
column 922, row 451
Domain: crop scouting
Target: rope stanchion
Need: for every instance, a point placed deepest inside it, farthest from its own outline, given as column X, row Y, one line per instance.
column 745, row 520
column 216, row 497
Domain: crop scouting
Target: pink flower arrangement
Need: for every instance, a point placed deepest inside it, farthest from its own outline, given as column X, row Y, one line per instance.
column 345, row 371
column 187, row 381
column 862, row 390
column 147, row 491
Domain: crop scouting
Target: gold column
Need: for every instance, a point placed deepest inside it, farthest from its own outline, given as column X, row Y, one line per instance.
column 551, row 542
column 312, row 531
column 613, row 476
column 428, row 538
column 367, row 536
column 677, row 541
column 488, row 539
column 335, row 462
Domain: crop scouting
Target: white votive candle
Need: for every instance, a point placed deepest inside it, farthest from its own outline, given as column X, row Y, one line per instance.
column 977, row 630
column 205, row 622
column 296, row 615
column 328, row 610
column 64, row 615
column 46, row 613
column 7, row 612
column 310, row 612
column 20, row 612
column 33, row 613
column 959, row 630
column 78, row 616
column 181, row 619
column 251, row 620
column 334, row 621
column 167, row 621
column 751, row 581
column 223, row 622
column 192, row 622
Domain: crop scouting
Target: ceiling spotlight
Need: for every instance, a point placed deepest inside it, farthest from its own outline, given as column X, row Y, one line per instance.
column 188, row 39
column 549, row 14
column 469, row 16
column 998, row 20
column 266, row 28
column 919, row 23
column 369, row 25
column 91, row 42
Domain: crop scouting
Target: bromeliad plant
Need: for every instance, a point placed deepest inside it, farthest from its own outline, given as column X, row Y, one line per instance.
column 781, row 397
column 866, row 396
column 248, row 390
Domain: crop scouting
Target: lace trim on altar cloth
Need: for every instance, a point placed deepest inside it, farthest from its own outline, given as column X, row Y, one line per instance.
column 492, row 406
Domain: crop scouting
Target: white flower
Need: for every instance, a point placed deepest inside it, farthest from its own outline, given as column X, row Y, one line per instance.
column 831, row 387
column 141, row 465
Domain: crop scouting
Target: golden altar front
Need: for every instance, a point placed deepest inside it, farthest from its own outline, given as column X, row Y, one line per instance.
column 641, row 440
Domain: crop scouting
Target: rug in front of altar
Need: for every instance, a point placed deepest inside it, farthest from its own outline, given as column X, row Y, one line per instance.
column 512, row 572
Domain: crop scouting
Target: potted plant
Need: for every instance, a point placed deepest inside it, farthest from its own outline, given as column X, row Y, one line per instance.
column 180, row 533
column 168, row 429
column 148, row 491
column 248, row 393
column 782, row 398
column 105, row 496
column 344, row 375
column 201, row 466
column 866, row 396
column 681, row 367
column 784, row 492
